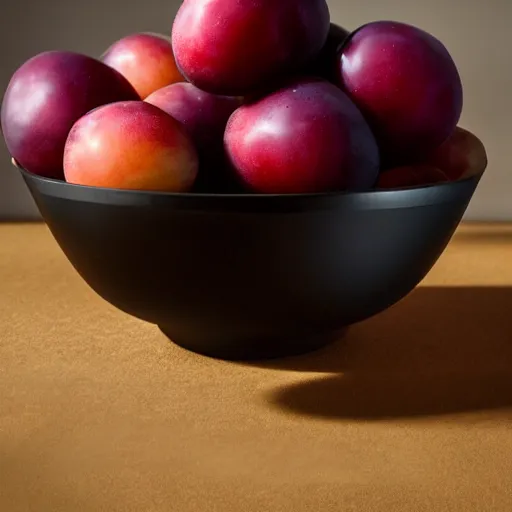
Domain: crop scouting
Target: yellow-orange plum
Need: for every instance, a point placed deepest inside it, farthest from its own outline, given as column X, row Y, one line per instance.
column 130, row 145
column 146, row 60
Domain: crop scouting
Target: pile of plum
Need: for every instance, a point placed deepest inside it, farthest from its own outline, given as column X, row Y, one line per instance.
column 258, row 96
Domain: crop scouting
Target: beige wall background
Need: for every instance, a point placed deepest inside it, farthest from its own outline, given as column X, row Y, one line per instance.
column 477, row 33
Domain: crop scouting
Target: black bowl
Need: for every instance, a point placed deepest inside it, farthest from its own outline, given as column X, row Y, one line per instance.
column 252, row 276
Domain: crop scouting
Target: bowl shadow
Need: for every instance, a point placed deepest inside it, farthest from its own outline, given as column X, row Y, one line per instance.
column 441, row 351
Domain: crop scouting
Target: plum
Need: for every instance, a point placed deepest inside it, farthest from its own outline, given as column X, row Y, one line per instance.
column 306, row 137
column 406, row 85
column 130, row 145
column 204, row 115
column 234, row 48
column 461, row 156
column 45, row 97
column 411, row 176
column 146, row 60
column 325, row 64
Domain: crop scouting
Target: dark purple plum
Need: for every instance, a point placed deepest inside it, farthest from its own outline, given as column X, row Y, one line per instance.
column 304, row 138
column 235, row 47
column 462, row 155
column 204, row 116
column 410, row 176
column 46, row 96
column 325, row 64
column 406, row 84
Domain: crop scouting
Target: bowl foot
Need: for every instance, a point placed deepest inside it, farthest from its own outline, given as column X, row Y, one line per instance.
column 256, row 349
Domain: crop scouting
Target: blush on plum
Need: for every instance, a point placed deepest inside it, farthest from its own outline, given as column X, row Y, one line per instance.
column 306, row 137
column 146, row 60
column 235, row 47
column 130, row 145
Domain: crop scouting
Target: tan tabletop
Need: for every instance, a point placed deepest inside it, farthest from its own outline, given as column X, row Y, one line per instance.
column 411, row 412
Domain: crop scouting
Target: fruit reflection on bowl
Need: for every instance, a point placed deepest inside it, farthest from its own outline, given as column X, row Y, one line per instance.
column 248, row 276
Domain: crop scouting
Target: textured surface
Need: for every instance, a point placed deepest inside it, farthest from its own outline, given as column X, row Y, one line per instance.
column 411, row 412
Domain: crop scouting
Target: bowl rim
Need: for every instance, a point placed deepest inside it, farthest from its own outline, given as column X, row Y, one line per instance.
column 413, row 196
